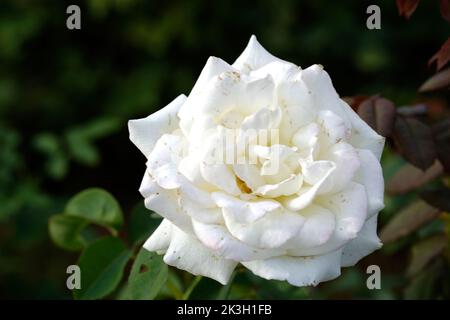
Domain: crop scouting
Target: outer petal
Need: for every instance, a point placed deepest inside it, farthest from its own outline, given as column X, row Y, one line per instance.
column 214, row 66
column 333, row 127
column 366, row 242
column 164, row 202
column 146, row 131
column 299, row 271
column 160, row 239
column 363, row 136
column 217, row 238
column 370, row 175
column 187, row 253
column 322, row 92
column 163, row 161
column 199, row 213
column 253, row 57
column 326, row 98
column 350, row 210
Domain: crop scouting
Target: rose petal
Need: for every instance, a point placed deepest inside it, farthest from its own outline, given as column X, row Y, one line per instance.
column 253, row 57
column 350, row 209
column 366, row 242
column 370, row 175
column 270, row 231
column 321, row 90
column 279, row 70
column 160, row 239
column 249, row 173
column 363, row 136
column 306, row 137
column 163, row 161
column 255, row 94
column 189, row 167
column 333, row 127
column 187, row 253
column 326, row 98
column 286, row 187
column 199, row 213
column 347, row 162
column 146, row 131
column 298, row 271
column 264, row 119
column 217, row 238
column 318, row 227
column 164, row 202
column 214, row 66
column 245, row 211
column 316, row 171
column 306, row 194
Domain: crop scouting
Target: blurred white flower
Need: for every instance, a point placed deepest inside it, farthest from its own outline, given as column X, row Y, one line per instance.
column 297, row 205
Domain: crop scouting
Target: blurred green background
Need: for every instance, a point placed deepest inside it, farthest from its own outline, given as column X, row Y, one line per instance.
column 66, row 96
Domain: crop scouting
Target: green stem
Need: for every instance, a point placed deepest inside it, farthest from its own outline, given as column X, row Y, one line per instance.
column 177, row 294
column 225, row 290
column 191, row 288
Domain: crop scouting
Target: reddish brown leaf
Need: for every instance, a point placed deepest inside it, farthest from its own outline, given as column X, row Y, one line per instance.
column 441, row 133
column 409, row 178
column 415, row 110
column 442, row 57
column 438, row 198
column 407, row 7
column 415, row 141
column 355, row 101
column 438, row 81
column 379, row 113
column 408, row 220
column 445, row 9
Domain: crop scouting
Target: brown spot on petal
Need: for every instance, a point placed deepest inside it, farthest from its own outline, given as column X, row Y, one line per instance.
column 243, row 186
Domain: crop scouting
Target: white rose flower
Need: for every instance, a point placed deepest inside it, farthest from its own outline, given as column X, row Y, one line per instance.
column 317, row 212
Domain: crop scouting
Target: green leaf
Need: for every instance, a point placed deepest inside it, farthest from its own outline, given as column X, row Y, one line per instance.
column 65, row 231
column 97, row 206
column 56, row 163
column 82, row 150
column 424, row 251
column 424, row 284
column 194, row 282
column 80, row 139
column 148, row 276
column 102, row 265
column 142, row 224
